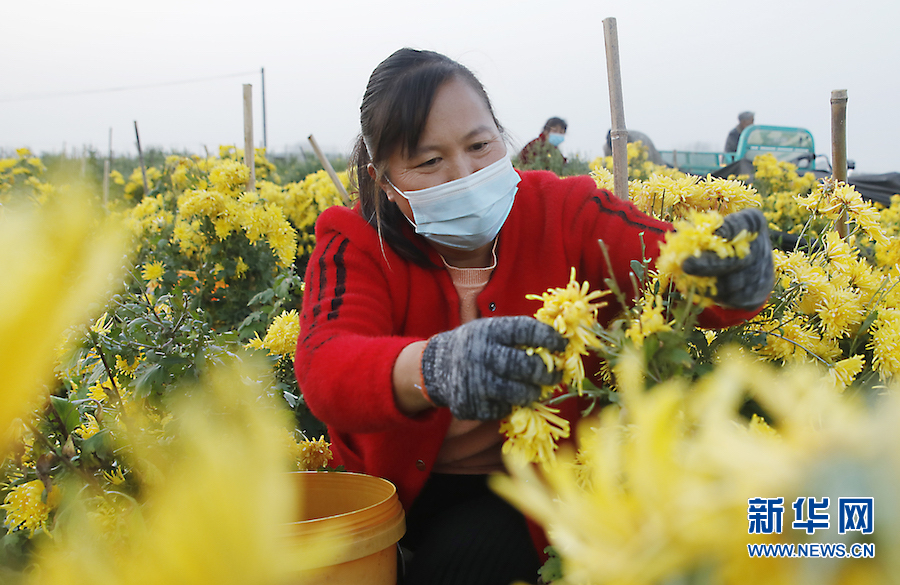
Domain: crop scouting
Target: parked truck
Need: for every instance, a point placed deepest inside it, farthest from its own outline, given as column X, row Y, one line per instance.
column 784, row 142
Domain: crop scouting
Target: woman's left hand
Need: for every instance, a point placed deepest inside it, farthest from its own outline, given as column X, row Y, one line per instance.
column 742, row 283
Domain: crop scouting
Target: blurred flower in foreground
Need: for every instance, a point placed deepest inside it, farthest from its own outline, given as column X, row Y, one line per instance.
column 658, row 490
column 216, row 512
column 56, row 261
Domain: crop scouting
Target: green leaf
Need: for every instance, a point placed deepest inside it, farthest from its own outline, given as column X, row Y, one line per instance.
column 148, row 377
column 291, row 399
column 679, row 355
column 638, row 269
column 67, row 412
column 262, row 298
column 552, row 569
column 283, row 289
column 97, row 448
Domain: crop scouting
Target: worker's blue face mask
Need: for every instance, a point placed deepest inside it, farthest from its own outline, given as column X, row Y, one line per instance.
column 465, row 213
column 556, row 138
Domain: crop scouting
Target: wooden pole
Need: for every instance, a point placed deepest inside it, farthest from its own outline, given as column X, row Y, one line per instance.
column 105, row 182
column 248, row 136
column 262, row 72
column 330, row 170
column 141, row 157
column 618, row 134
column 839, row 147
column 110, row 149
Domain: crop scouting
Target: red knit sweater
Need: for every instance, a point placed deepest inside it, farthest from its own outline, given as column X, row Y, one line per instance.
column 364, row 303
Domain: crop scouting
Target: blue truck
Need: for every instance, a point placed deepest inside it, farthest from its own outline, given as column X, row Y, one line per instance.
column 786, row 143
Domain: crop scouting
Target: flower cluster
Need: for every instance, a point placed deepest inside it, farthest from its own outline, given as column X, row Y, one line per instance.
column 640, row 167
column 659, row 485
column 532, row 431
column 303, row 201
column 23, row 173
column 675, row 195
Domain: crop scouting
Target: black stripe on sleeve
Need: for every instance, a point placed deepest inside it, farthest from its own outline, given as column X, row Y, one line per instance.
column 340, row 285
column 625, row 216
column 323, row 278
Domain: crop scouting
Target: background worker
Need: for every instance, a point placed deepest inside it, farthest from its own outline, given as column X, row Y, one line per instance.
column 744, row 119
column 543, row 152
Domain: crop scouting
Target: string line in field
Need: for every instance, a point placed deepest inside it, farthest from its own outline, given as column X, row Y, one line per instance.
column 41, row 96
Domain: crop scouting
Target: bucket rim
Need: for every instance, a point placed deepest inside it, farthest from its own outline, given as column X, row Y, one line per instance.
column 365, row 476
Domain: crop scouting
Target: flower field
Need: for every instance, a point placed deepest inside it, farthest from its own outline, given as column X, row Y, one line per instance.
column 147, row 352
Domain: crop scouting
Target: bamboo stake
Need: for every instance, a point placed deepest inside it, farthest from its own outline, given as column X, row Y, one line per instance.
column 262, row 72
column 248, row 136
column 110, row 148
column 618, row 135
column 330, row 170
column 105, row 182
column 141, row 157
column 839, row 147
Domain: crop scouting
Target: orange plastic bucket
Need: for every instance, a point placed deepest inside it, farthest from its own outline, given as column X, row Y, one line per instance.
column 357, row 519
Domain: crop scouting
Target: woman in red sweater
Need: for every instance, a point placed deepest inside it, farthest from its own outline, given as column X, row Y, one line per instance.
column 415, row 307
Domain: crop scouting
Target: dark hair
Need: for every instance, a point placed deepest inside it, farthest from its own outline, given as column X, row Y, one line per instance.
column 392, row 115
column 555, row 122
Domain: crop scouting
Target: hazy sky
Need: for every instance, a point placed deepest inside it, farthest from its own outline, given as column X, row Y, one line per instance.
column 688, row 68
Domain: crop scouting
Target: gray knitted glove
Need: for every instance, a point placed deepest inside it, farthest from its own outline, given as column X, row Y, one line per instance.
column 743, row 283
column 477, row 371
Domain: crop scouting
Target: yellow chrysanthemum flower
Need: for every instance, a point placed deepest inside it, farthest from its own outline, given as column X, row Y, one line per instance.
column 153, row 271
column 240, row 267
column 572, row 311
column 89, row 428
column 313, row 455
column 103, row 324
column 651, row 320
column 122, row 365
column 690, row 238
column 845, row 371
column 281, row 336
column 885, row 343
column 532, row 432
column 114, row 477
column 28, row 506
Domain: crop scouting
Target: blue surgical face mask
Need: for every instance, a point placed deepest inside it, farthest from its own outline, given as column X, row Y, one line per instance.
column 555, row 138
column 466, row 213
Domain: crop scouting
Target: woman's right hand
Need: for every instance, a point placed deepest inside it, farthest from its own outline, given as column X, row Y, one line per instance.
column 479, row 370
